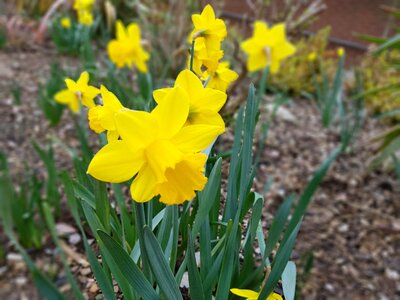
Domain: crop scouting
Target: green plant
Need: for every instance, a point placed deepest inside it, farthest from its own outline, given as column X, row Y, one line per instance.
column 51, row 109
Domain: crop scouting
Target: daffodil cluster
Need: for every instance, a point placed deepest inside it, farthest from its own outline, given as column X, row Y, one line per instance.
column 267, row 47
column 161, row 149
column 83, row 10
column 126, row 49
column 207, row 35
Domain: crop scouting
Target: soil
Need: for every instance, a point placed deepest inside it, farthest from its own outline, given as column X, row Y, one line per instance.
column 351, row 229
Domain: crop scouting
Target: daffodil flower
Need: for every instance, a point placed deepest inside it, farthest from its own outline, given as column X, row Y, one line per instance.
column 204, row 103
column 77, row 92
column 85, row 17
column 221, row 78
column 205, row 56
column 252, row 295
column 65, row 22
column 83, row 4
column 126, row 49
column 267, row 46
column 101, row 117
column 158, row 151
column 83, row 9
column 312, row 56
column 206, row 25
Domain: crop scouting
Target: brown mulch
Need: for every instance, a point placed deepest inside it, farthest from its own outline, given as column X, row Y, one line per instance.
column 352, row 227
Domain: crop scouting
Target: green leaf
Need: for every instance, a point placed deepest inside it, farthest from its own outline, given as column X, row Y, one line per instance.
column 393, row 42
column 128, row 268
column 231, row 252
column 99, row 273
column 278, row 225
column 289, row 281
column 279, row 263
column 102, row 204
column 160, row 266
column 208, row 196
column 195, row 284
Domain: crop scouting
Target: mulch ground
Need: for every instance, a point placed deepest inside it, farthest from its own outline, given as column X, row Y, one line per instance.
column 351, row 229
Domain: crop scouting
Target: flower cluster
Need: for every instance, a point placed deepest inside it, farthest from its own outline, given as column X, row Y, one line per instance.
column 160, row 149
column 207, row 36
column 83, row 10
column 126, row 49
column 267, row 47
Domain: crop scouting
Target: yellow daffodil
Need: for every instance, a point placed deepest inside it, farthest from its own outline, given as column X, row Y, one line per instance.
column 158, row 151
column 312, row 57
column 205, row 56
column 77, row 92
column 252, row 295
column 340, row 51
column 221, row 78
column 126, row 49
column 267, row 46
column 206, row 25
column 204, row 103
column 83, row 9
column 85, row 17
column 101, row 117
column 83, row 4
column 65, row 22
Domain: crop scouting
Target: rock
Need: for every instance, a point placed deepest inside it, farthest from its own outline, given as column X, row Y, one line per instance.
column 93, row 288
column 85, row 271
column 5, row 71
column 20, row 281
column 64, row 229
column 74, row 239
column 392, row 274
column 13, row 257
column 185, row 280
column 282, row 113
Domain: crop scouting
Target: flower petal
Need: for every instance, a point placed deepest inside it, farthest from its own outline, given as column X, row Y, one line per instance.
column 172, row 113
column 115, row 162
column 195, row 138
column 211, row 99
column 64, row 96
column 83, row 80
column 183, row 180
column 71, row 85
column 138, row 128
column 160, row 94
column 257, row 61
column 143, row 186
column 207, row 117
column 249, row 294
column 189, row 82
column 161, row 155
column 109, row 99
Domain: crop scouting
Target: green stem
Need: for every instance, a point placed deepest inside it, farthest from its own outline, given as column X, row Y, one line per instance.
column 263, row 83
column 207, row 81
column 140, row 223
column 192, row 55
